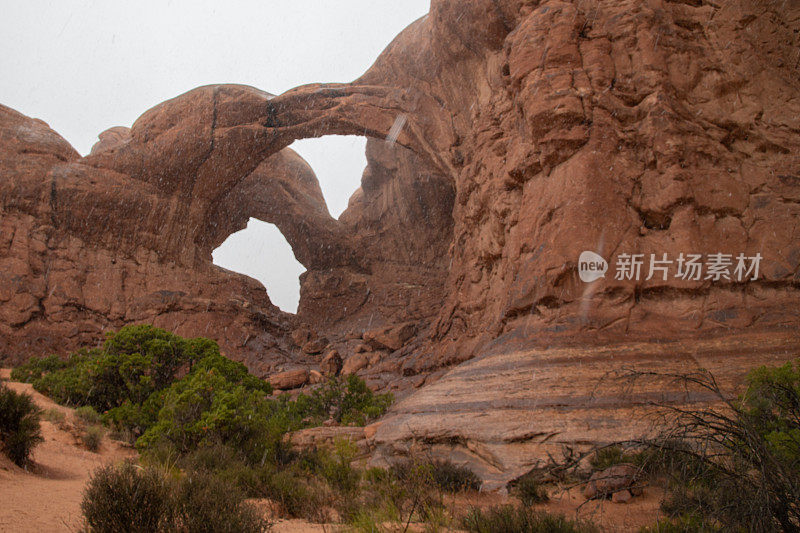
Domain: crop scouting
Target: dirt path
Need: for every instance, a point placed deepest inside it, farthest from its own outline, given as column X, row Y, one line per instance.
column 47, row 498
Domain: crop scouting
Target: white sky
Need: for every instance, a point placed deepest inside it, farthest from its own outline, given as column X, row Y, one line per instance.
column 84, row 66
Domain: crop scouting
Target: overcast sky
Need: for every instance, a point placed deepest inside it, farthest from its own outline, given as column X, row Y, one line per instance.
column 84, row 66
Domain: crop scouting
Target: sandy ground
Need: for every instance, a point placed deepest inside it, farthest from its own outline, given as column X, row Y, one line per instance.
column 47, row 496
column 623, row 517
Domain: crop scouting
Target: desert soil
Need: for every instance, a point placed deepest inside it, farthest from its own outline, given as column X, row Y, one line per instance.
column 47, row 496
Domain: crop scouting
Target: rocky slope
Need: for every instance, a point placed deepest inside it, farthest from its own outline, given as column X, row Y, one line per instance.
column 507, row 137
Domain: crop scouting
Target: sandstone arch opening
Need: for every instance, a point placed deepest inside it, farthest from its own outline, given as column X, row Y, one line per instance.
column 338, row 162
column 260, row 251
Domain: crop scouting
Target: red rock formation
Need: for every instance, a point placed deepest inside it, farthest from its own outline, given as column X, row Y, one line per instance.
column 140, row 216
column 85, row 249
column 521, row 133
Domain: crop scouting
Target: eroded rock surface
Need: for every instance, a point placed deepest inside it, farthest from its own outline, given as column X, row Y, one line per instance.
column 506, row 137
column 87, row 248
column 506, row 411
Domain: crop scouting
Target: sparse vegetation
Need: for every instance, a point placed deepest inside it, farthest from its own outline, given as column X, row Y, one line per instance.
column 204, row 503
column 92, row 436
column 514, row 519
column 737, row 465
column 613, row 455
column 20, row 429
column 452, row 478
column 87, row 415
column 681, row 524
column 55, row 416
column 409, row 491
column 126, row 497
column 134, row 499
column 530, row 490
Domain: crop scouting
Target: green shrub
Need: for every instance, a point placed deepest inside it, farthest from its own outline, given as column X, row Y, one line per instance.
column 127, row 498
column 347, row 400
column 413, row 490
column 204, row 503
column 512, row 519
column 20, row 429
column 134, row 363
column 648, row 459
column 131, row 420
column 609, row 456
column 36, row 367
column 333, row 466
column 92, row 437
column 367, row 521
column 55, row 416
column 376, row 475
column 211, row 458
column 69, row 385
column 230, row 466
column 772, row 407
column 87, row 415
column 530, row 490
column 205, row 408
column 295, row 494
column 405, row 471
column 451, row 478
column 382, row 495
column 436, row 518
column 129, row 377
column 441, row 475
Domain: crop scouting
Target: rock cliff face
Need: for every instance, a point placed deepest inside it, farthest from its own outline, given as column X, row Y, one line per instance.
column 506, row 137
column 87, row 248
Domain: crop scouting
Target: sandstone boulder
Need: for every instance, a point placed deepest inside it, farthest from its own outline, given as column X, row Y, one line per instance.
column 362, row 348
column 331, row 364
column 622, row 496
column 370, row 430
column 354, row 363
column 390, row 337
column 290, row 379
column 315, row 346
column 302, row 335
